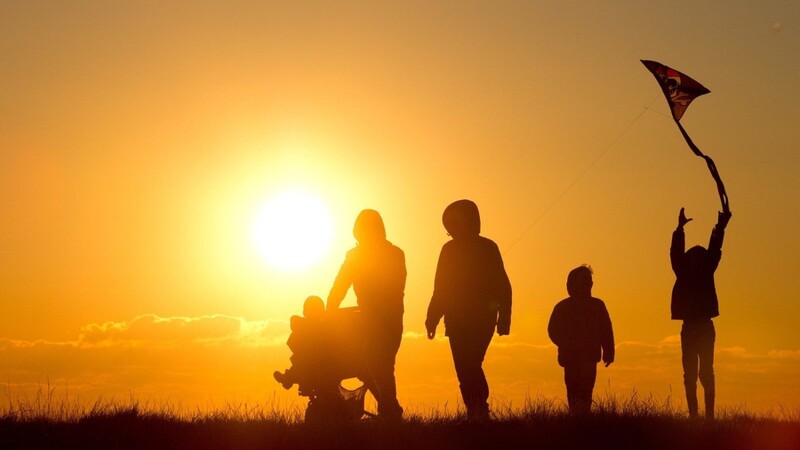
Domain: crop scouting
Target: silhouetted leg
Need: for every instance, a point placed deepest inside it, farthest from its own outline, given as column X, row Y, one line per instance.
column 571, row 380
column 689, row 358
column 388, row 406
column 588, row 378
column 580, row 378
column 468, row 353
column 706, row 353
column 381, row 352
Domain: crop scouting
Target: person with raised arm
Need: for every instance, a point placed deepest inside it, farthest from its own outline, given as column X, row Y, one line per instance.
column 694, row 301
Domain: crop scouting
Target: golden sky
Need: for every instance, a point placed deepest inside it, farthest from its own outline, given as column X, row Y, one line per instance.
column 139, row 139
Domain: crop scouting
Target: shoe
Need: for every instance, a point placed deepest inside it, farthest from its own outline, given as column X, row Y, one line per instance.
column 479, row 413
column 282, row 379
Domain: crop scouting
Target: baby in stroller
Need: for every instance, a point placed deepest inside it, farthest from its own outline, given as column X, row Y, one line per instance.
column 325, row 351
column 307, row 345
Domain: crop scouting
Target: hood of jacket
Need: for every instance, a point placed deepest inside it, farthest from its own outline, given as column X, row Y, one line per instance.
column 461, row 219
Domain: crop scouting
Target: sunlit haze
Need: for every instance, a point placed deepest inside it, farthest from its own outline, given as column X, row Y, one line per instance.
column 177, row 177
column 292, row 230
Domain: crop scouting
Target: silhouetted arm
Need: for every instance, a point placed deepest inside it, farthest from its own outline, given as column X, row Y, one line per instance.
column 717, row 236
column 503, row 296
column 402, row 273
column 343, row 281
column 715, row 246
column 718, row 233
column 678, row 247
column 607, row 337
column 441, row 293
column 555, row 327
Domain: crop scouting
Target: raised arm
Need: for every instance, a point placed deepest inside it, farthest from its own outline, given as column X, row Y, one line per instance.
column 717, row 236
column 718, row 233
column 343, row 281
column 678, row 246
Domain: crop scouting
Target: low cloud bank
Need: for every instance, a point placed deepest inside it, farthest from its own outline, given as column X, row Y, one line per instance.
column 211, row 359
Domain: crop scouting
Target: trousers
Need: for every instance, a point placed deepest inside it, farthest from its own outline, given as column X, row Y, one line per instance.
column 384, row 337
column 580, row 378
column 469, row 350
column 697, row 348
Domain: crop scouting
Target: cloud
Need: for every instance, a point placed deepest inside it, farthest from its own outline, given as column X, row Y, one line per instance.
column 784, row 354
column 413, row 335
column 149, row 330
column 192, row 359
column 150, row 346
column 522, row 345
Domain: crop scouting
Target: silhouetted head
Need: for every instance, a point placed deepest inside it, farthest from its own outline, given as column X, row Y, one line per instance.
column 369, row 227
column 695, row 256
column 461, row 219
column 579, row 281
column 313, row 307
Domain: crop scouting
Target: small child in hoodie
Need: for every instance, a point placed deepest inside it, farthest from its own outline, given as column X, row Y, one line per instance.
column 581, row 328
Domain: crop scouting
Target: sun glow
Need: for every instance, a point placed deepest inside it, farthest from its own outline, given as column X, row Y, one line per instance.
column 292, row 230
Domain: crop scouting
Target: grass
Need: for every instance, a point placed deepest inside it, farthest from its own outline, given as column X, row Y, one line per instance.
column 47, row 421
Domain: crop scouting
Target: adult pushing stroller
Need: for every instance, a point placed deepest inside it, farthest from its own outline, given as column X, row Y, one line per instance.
column 326, row 350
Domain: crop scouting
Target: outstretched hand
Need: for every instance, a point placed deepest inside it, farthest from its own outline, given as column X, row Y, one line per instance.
column 722, row 218
column 682, row 220
column 431, row 329
column 503, row 328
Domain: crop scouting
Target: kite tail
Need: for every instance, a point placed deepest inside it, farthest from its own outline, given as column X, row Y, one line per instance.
column 723, row 196
column 689, row 140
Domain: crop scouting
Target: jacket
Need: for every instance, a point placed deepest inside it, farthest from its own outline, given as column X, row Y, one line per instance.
column 471, row 287
column 581, row 329
column 375, row 268
column 694, row 295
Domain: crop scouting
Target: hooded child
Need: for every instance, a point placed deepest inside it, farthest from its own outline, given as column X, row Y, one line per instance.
column 473, row 294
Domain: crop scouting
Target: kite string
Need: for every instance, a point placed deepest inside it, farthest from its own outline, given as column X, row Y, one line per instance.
column 580, row 176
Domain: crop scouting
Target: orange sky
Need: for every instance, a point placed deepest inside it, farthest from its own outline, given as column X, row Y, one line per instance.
column 137, row 142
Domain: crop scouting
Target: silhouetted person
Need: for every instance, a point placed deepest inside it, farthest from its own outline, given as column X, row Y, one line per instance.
column 694, row 300
column 377, row 271
column 307, row 343
column 581, row 328
column 472, row 292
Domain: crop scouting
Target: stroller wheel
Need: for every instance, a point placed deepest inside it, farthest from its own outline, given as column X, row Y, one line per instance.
column 334, row 408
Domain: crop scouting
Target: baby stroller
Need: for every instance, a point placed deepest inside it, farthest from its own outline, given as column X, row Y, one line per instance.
column 325, row 353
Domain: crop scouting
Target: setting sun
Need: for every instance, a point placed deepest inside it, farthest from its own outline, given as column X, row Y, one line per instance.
column 292, row 230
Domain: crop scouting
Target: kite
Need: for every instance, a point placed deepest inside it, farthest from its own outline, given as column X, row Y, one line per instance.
column 680, row 90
